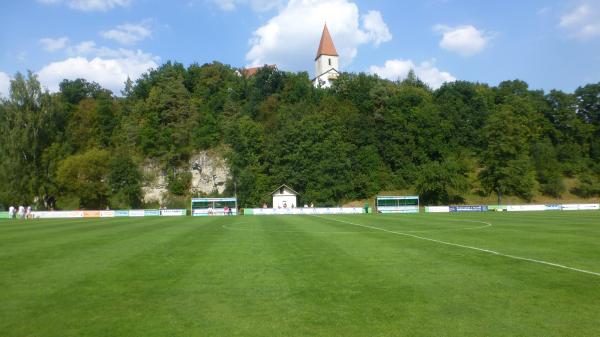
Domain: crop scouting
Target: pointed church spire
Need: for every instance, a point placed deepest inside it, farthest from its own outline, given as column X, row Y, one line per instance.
column 326, row 46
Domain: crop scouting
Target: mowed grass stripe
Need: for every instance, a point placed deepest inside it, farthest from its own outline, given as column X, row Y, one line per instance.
column 56, row 235
column 48, row 248
column 76, row 282
column 337, row 291
column 138, row 287
column 235, row 289
column 24, row 227
column 465, row 287
column 527, row 235
column 29, row 288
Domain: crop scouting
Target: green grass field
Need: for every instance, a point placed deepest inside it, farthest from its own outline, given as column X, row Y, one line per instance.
column 366, row 275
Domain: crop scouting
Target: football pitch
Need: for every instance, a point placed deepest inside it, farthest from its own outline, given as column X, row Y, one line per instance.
column 462, row 274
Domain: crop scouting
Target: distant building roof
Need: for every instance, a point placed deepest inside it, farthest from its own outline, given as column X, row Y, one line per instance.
column 331, row 70
column 326, row 46
column 249, row 72
column 284, row 186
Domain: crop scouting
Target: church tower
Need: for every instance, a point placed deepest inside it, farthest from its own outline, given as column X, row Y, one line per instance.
column 326, row 62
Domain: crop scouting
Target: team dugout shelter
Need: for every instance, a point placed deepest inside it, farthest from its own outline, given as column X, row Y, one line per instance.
column 214, row 206
column 397, row 204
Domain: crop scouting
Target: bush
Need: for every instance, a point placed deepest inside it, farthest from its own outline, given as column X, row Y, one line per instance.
column 180, row 183
column 588, row 186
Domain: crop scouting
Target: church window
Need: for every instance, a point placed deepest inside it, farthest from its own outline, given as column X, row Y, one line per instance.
column 329, row 61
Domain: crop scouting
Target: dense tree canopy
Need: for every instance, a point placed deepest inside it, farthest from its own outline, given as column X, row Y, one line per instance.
column 362, row 136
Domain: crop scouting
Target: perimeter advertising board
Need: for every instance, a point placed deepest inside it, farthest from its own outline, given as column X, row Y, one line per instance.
column 553, row 207
column 172, row 212
column 437, row 209
column 121, row 213
column 107, row 214
column 580, row 207
column 525, row 208
column 57, row 214
column 137, row 212
column 477, row 208
column 304, row 211
column 91, row 214
column 151, row 212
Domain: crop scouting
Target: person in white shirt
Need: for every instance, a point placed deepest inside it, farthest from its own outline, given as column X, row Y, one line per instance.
column 11, row 212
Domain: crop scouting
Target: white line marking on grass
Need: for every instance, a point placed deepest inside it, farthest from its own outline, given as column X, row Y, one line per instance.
column 471, row 247
column 485, row 225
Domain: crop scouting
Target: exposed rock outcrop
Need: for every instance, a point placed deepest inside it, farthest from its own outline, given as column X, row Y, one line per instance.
column 209, row 174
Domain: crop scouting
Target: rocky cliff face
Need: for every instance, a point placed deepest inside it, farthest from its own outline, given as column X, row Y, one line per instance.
column 209, row 174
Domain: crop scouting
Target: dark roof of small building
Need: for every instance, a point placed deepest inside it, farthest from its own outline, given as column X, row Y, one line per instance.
column 286, row 186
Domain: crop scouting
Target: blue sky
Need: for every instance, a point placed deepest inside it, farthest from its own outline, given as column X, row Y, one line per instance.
column 549, row 44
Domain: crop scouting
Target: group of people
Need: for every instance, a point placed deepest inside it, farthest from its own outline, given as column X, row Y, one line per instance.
column 226, row 211
column 21, row 212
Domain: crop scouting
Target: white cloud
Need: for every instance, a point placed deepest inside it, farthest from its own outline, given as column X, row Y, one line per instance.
column 128, row 33
column 544, row 10
column 426, row 71
column 90, row 5
column 376, row 29
column 108, row 67
column 51, row 45
column 256, row 5
column 83, row 48
column 110, row 73
column 291, row 38
column 583, row 22
column 463, row 40
column 226, row 5
column 4, row 84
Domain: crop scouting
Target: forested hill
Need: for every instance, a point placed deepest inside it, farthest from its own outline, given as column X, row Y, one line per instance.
column 361, row 136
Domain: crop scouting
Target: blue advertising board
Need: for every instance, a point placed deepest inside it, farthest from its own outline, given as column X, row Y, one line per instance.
column 552, row 207
column 121, row 213
column 478, row 208
column 151, row 212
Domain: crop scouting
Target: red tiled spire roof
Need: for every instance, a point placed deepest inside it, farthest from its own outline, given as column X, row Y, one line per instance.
column 326, row 46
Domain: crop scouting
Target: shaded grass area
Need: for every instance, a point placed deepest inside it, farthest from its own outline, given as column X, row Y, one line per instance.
column 301, row 276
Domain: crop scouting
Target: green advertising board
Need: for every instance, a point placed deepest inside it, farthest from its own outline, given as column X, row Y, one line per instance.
column 4, row 215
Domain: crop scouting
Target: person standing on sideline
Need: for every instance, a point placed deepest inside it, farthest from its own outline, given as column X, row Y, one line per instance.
column 11, row 212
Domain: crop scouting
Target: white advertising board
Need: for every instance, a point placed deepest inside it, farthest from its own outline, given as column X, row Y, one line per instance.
column 304, row 211
column 437, row 209
column 172, row 212
column 57, row 214
column 580, row 207
column 525, row 208
column 136, row 212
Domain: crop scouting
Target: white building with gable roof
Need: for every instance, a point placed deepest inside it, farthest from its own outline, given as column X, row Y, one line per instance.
column 326, row 62
column 284, row 197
